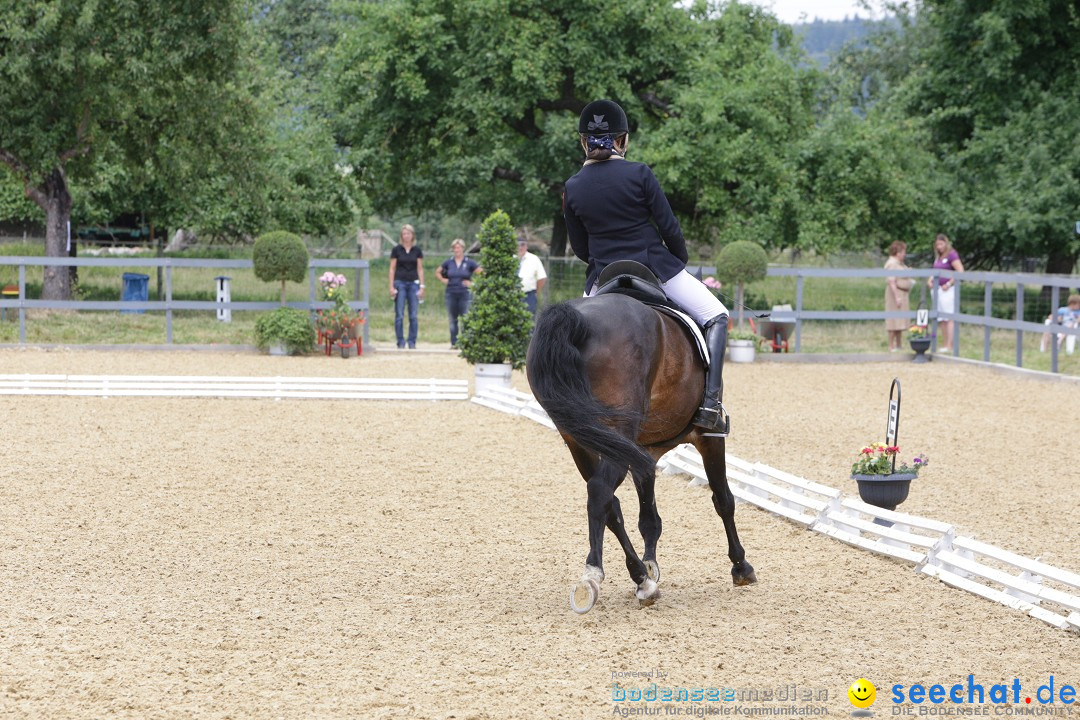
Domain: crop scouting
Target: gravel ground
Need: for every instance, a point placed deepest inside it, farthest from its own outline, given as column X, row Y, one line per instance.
column 212, row 558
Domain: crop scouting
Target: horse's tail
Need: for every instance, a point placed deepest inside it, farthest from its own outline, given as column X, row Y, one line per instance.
column 559, row 381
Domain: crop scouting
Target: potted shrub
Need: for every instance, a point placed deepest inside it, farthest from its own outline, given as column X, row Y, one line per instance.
column 285, row 331
column 495, row 332
column 881, row 482
column 741, row 262
column 742, row 345
column 280, row 256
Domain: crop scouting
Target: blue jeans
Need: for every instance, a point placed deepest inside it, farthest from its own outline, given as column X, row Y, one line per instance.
column 405, row 291
column 457, row 304
column 530, row 302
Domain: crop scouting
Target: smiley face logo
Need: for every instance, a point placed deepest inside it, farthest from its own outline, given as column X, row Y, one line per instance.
column 862, row 693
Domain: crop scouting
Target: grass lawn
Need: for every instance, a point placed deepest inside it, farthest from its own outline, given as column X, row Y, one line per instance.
column 566, row 280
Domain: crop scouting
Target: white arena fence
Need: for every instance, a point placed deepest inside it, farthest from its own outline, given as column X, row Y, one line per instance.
column 220, row 386
column 930, row 546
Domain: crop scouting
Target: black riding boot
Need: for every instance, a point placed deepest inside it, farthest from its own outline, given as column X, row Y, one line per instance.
column 712, row 416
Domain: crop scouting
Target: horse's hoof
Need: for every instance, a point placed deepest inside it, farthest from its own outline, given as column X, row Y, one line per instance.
column 583, row 596
column 652, row 570
column 648, row 592
column 743, row 576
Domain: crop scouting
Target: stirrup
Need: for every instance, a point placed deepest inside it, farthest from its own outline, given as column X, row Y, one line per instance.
column 714, row 420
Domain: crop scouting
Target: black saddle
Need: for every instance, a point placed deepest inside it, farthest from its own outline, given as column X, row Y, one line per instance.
column 629, row 277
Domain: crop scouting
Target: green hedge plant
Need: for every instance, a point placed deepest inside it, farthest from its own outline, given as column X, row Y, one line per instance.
column 739, row 263
column 280, row 255
column 497, row 327
column 288, row 326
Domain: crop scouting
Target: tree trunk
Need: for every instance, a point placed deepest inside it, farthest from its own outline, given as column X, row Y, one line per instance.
column 1060, row 261
column 282, row 293
column 53, row 197
column 739, row 301
column 558, row 234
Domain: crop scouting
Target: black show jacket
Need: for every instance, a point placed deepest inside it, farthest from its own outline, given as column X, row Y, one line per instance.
column 608, row 206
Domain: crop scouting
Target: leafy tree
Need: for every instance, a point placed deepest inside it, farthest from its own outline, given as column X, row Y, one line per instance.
column 997, row 88
column 312, row 189
column 724, row 150
column 462, row 106
column 865, row 182
column 81, row 77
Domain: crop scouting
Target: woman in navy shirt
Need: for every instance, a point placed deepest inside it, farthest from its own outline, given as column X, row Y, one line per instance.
column 456, row 274
column 615, row 210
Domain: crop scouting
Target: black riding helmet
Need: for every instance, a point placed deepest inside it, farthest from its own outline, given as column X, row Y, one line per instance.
column 602, row 117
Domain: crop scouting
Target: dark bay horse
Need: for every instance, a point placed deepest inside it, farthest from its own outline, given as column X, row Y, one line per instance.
column 621, row 381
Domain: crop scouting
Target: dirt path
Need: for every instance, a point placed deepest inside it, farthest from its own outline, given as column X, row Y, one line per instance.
column 165, row 558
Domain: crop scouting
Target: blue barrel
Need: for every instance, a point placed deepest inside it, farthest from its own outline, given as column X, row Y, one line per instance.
column 136, row 288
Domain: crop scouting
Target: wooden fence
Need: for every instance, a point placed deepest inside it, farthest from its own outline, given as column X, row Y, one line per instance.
column 930, row 546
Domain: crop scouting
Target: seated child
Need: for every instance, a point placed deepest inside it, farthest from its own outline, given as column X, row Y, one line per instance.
column 1069, row 316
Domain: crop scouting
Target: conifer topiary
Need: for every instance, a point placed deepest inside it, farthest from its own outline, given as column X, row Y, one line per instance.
column 497, row 327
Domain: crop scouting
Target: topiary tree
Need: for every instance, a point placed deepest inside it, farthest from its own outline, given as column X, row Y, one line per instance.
column 280, row 255
column 496, row 329
column 741, row 262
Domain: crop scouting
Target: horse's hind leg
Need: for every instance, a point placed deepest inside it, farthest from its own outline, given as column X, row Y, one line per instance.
column 647, row 590
column 604, row 511
column 649, row 524
column 713, row 458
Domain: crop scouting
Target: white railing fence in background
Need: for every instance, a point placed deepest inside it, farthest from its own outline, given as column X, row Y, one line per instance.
column 932, row 547
column 220, row 386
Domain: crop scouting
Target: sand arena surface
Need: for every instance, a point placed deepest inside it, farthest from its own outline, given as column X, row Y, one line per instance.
column 165, row 558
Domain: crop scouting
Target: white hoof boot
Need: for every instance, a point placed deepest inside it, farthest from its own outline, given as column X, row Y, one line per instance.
column 648, row 592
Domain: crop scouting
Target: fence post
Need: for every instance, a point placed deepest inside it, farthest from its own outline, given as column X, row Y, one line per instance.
column 367, row 303
column 798, row 312
column 1020, row 318
column 168, row 305
column 988, row 301
column 22, row 310
column 1055, row 297
column 955, row 322
column 934, row 315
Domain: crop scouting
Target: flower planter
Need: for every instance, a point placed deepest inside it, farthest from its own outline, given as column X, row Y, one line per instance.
column 493, row 375
column 920, row 346
column 278, row 348
column 884, row 491
column 741, row 350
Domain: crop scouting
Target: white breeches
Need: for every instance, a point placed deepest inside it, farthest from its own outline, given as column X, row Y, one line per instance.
column 691, row 295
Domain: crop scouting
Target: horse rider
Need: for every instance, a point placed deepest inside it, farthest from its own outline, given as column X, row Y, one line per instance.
column 608, row 207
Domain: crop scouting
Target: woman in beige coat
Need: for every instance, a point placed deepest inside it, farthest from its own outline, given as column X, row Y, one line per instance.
column 896, row 295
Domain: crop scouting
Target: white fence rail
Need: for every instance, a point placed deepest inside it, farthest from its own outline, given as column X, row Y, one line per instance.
column 933, row 547
column 278, row 388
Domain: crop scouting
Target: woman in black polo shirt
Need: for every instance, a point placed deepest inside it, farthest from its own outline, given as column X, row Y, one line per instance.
column 615, row 210
column 406, row 283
